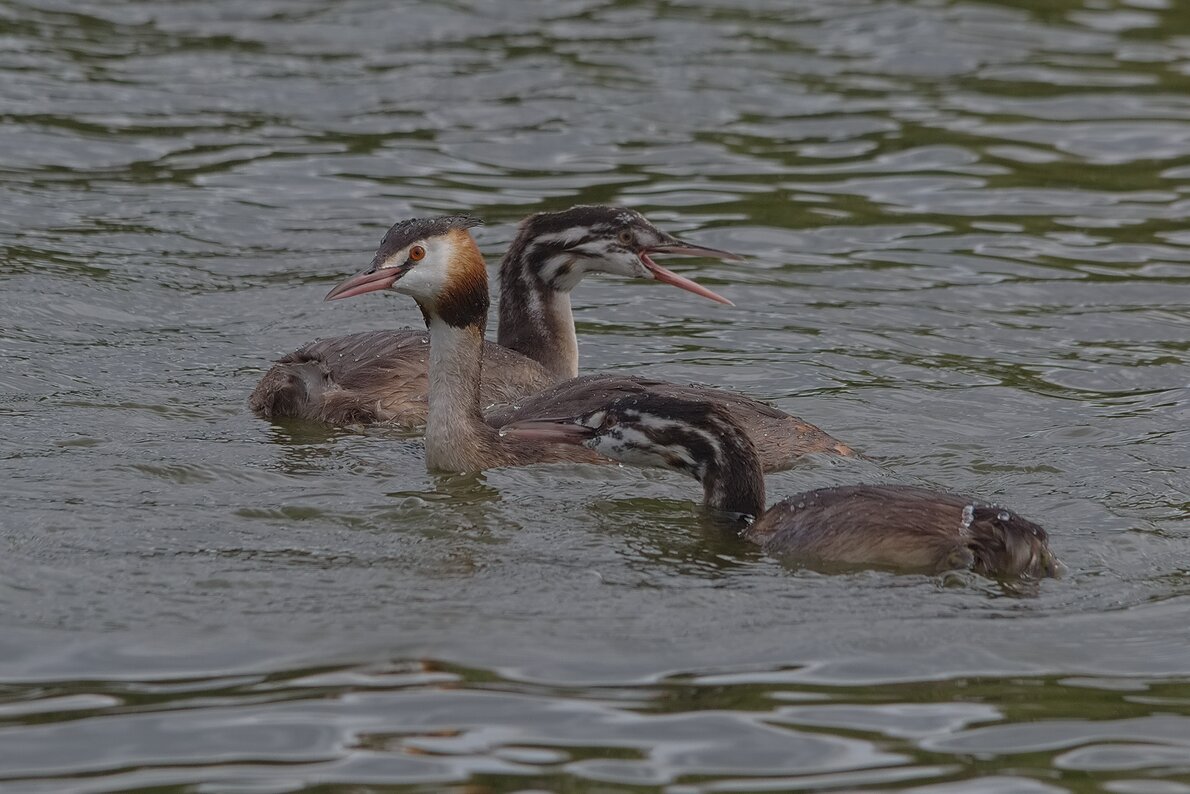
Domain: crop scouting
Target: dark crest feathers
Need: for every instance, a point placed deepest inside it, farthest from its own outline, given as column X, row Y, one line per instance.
column 403, row 233
column 588, row 215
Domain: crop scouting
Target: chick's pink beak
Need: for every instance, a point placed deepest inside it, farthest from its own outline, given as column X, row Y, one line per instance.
column 667, row 276
column 683, row 248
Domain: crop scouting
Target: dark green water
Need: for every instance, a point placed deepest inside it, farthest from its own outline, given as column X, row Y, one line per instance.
column 967, row 255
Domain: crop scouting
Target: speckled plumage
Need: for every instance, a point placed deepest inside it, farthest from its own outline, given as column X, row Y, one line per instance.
column 378, row 376
column 779, row 438
column 903, row 527
column 892, row 526
column 404, row 233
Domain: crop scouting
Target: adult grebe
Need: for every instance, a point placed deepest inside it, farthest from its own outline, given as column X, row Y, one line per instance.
column 438, row 264
column 894, row 526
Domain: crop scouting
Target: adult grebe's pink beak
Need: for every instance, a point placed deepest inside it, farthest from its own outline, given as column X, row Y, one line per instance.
column 368, row 281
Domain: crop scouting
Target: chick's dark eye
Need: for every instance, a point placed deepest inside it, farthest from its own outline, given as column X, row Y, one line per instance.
column 625, row 236
column 417, row 253
column 611, row 420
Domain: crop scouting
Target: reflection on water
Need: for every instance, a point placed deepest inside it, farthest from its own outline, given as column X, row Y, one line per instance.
column 964, row 225
column 434, row 724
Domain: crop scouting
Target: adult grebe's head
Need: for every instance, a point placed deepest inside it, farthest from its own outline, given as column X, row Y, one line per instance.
column 433, row 260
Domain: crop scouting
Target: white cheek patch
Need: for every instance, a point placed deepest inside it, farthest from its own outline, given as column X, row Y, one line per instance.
column 428, row 277
column 564, row 271
column 565, row 237
column 630, row 446
column 598, row 255
column 396, row 259
column 617, row 262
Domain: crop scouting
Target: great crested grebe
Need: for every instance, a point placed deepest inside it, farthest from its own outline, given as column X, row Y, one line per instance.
column 437, row 262
column 894, row 526
column 380, row 376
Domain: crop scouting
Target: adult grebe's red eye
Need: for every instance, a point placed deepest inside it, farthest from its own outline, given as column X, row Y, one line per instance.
column 417, row 253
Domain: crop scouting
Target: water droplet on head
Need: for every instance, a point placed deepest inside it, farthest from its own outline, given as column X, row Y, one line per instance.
column 1003, row 515
column 968, row 516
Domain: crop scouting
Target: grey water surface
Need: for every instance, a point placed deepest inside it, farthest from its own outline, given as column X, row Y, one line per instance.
column 965, row 226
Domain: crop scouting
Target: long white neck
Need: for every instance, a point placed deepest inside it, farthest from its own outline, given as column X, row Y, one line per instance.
column 456, row 434
column 454, row 301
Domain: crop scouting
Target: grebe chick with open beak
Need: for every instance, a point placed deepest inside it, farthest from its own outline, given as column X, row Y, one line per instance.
column 380, row 376
column 888, row 526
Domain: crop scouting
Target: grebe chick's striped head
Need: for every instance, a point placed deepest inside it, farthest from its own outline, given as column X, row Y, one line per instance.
column 593, row 238
column 697, row 438
column 433, row 260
